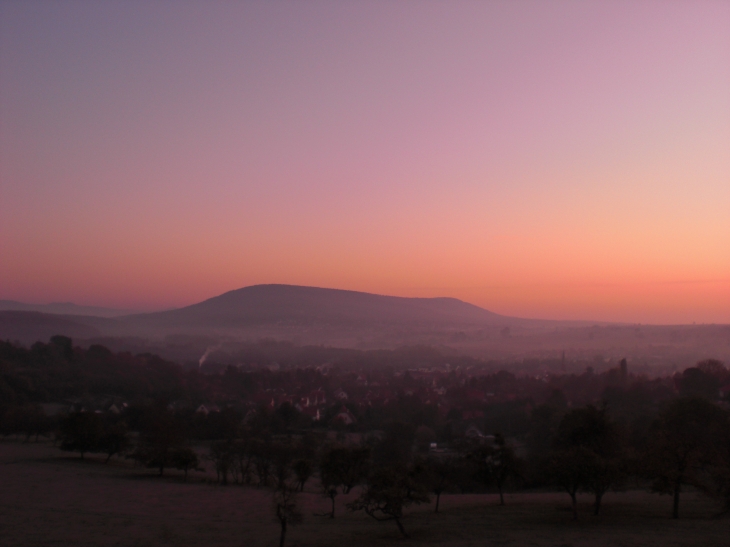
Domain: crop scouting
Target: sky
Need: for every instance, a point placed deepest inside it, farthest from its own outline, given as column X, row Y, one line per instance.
column 561, row 160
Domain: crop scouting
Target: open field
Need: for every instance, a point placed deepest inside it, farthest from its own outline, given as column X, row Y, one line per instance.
column 48, row 498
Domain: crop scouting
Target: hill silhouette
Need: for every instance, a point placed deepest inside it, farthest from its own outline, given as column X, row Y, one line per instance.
column 28, row 327
column 291, row 305
column 350, row 319
column 62, row 308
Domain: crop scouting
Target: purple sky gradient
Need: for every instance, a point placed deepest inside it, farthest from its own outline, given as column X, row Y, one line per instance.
column 542, row 159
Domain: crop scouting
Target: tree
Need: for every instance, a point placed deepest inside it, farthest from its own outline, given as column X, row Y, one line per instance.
column 545, row 420
column 285, row 491
column 715, row 368
column 570, row 469
column 285, row 416
column 716, row 480
column 222, row 425
column 27, row 419
column 82, row 432
column 699, row 382
column 161, row 436
column 303, row 469
column 387, row 492
column 222, row 454
column 683, row 441
column 342, row 467
column 396, row 447
column 330, row 479
column 588, row 454
column 184, row 459
column 286, row 508
column 437, row 474
column 114, row 440
column 244, row 459
column 502, row 464
column 345, row 466
column 62, row 345
column 282, row 458
column 261, row 455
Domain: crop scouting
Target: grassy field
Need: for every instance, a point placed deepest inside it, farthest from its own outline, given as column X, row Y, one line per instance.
column 51, row 498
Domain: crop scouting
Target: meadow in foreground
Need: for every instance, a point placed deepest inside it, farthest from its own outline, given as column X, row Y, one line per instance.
column 51, row 498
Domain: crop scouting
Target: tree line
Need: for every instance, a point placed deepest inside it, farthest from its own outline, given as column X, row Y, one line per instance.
column 688, row 445
column 667, row 434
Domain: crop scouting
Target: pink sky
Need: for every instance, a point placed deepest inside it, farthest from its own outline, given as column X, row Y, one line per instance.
column 565, row 160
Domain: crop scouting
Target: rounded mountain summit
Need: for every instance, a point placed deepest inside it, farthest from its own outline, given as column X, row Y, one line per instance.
column 290, row 305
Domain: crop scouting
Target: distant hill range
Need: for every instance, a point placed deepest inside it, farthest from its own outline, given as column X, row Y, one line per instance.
column 291, row 305
column 62, row 308
column 256, row 311
column 32, row 326
column 350, row 319
column 304, row 315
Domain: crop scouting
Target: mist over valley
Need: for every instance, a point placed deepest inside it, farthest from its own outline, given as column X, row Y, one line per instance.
column 221, row 327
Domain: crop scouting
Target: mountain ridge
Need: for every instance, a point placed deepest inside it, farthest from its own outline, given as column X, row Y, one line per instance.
column 352, row 319
column 63, row 308
column 301, row 305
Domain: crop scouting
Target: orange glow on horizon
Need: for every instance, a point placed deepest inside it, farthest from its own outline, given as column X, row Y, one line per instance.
column 570, row 161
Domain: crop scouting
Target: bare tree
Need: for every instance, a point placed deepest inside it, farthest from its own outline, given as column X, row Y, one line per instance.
column 185, row 459
column 437, row 474
column 387, row 492
column 286, row 508
column 683, row 441
column 82, row 432
column 223, row 457
column 285, row 492
column 588, row 455
column 303, row 469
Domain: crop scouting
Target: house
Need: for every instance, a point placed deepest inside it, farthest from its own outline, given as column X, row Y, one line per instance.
column 343, row 417
column 207, row 409
column 314, row 398
column 312, row 412
column 473, row 432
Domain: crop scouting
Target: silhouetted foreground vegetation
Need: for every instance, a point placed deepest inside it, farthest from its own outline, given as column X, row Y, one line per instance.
column 397, row 437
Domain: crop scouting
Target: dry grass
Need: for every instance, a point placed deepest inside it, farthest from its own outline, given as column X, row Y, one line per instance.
column 50, row 498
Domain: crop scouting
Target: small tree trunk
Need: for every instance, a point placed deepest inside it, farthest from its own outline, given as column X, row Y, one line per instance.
column 675, row 505
column 597, row 506
column 438, row 499
column 332, row 514
column 400, row 527
column 162, row 469
column 574, row 504
column 282, row 538
column 501, row 494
